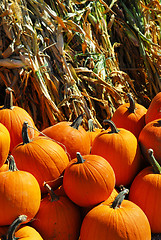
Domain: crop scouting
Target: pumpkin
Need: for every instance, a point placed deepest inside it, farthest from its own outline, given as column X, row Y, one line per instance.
column 122, row 219
column 12, row 117
column 15, row 231
column 4, row 144
column 130, row 116
column 120, row 148
column 150, row 137
column 71, row 135
column 19, row 193
column 41, row 156
column 58, row 217
column 92, row 131
column 88, row 180
column 145, row 191
column 154, row 109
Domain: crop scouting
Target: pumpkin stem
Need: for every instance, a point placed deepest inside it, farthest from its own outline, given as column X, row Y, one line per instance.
column 8, row 101
column 156, row 166
column 120, row 197
column 77, row 122
column 79, row 158
column 13, row 227
column 53, row 196
column 90, row 125
column 112, row 126
column 132, row 103
column 25, row 136
column 12, row 164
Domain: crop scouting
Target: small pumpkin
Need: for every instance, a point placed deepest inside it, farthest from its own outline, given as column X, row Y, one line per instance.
column 122, row 219
column 154, row 109
column 58, row 217
column 88, row 180
column 4, row 144
column 15, row 231
column 120, row 148
column 41, row 156
column 19, row 193
column 71, row 135
column 145, row 191
column 130, row 116
column 12, row 117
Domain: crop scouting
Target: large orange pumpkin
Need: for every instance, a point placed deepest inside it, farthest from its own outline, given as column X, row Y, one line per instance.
column 88, row 180
column 154, row 109
column 71, row 135
column 117, row 221
column 12, row 117
column 42, row 157
column 120, row 148
column 4, row 144
column 58, row 218
column 130, row 116
column 15, row 231
column 145, row 191
column 19, row 193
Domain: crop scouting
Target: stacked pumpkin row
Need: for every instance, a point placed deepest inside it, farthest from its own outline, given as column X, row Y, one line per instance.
column 63, row 182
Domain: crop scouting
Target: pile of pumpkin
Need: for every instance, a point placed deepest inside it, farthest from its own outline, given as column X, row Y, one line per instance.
column 69, row 183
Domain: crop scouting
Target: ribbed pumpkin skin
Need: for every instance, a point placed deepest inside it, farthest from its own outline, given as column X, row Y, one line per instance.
column 145, row 191
column 150, row 137
column 127, row 222
column 134, row 122
column 4, row 144
column 122, row 151
column 19, row 193
column 43, row 158
column 13, row 120
column 74, row 140
column 154, row 109
column 90, row 182
column 58, row 220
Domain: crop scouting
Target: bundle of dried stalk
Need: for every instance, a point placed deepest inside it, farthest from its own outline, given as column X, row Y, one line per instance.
column 64, row 58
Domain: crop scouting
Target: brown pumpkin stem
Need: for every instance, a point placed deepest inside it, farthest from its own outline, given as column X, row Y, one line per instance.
column 120, row 197
column 8, row 101
column 156, row 166
column 80, row 159
column 12, row 164
column 13, row 227
column 112, row 126
column 25, row 135
column 132, row 103
column 53, row 196
column 77, row 122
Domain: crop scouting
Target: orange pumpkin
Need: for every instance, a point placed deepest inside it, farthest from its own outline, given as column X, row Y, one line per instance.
column 88, row 180
column 92, row 132
column 4, row 144
column 58, row 218
column 19, row 193
column 130, row 116
column 42, row 157
column 154, row 109
column 12, row 117
column 120, row 148
column 70, row 135
column 120, row 220
column 15, row 231
column 145, row 191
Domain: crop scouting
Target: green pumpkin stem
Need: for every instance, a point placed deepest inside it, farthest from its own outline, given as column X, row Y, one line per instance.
column 79, row 158
column 8, row 101
column 132, row 103
column 120, row 197
column 13, row 227
column 77, row 122
column 156, row 166
column 53, row 196
column 12, row 164
column 112, row 126
column 90, row 125
column 25, row 135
